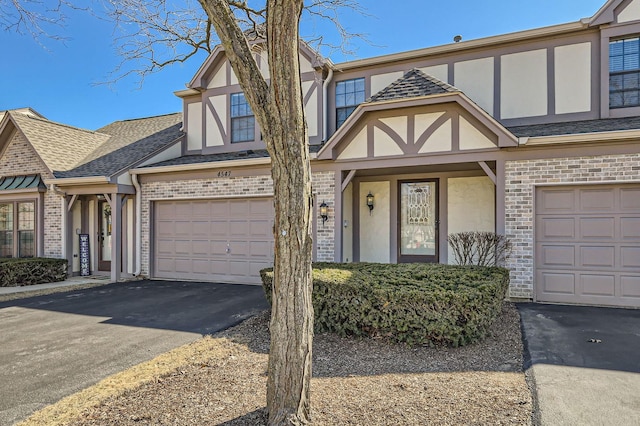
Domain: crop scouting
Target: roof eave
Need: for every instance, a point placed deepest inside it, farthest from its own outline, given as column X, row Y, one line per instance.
column 614, row 135
column 77, row 181
column 464, row 45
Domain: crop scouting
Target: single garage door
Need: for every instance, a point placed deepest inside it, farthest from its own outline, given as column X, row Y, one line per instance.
column 213, row 240
column 588, row 245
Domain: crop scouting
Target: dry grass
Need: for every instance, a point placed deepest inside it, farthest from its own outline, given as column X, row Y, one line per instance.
column 221, row 381
column 43, row 292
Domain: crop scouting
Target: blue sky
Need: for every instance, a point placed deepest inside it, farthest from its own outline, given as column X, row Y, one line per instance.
column 60, row 81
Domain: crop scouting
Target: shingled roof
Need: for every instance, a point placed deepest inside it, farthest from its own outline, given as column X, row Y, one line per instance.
column 61, row 147
column 128, row 142
column 577, row 127
column 413, row 84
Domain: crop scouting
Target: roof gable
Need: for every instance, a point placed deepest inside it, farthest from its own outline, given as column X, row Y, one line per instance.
column 210, row 69
column 129, row 142
column 60, row 147
column 616, row 11
column 412, row 84
column 417, row 114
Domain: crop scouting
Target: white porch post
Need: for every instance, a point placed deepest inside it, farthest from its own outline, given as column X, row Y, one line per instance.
column 116, row 236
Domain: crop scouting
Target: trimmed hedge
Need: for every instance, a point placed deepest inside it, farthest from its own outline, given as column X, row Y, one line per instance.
column 30, row 271
column 414, row 303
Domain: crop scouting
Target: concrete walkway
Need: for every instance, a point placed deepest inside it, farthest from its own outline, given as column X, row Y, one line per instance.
column 70, row 282
column 584, row 362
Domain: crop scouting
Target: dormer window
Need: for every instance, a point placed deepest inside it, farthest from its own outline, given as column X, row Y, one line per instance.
column 242, row 119
column 624, row 73
column 349, row 94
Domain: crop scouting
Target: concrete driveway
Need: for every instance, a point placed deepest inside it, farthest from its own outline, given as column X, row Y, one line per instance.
column 53, row 346
column 585, row 363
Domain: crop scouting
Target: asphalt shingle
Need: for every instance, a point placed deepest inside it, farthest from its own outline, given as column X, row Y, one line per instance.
column 128, row 142
column 576, row 127
column 413, row 84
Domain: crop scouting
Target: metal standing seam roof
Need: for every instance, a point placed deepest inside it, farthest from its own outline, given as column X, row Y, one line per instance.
column 21, row 182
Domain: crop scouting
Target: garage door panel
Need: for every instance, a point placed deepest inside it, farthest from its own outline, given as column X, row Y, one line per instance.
column 238, row 208
column 183, row 265
column 200, row 248
column 630, row 286
column 260, row 249
column 556, row 201
column 597, row 285
column 201, row 209
column 630, row 199
column 630, row 228
column 183, row 210
column 605, row 239
column 218, row 228
column 630, row 257
column 556, row 255
column 601, row 256
column 200, row 227
column 218, row 247
column 557, row 283
column 597, row 227
column 556, row 228
column 201, row 266
column 597, row 200
column 182, row 227
column 165, row 246
column 238, row 228
column 213, row 240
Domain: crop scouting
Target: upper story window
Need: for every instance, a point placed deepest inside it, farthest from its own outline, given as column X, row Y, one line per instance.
column 624, row 73
column 349, row 94
column 17, row 231
column 242, row 119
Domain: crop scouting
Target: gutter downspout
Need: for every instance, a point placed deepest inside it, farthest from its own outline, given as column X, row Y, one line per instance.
column 136, row 185
column 325, row 107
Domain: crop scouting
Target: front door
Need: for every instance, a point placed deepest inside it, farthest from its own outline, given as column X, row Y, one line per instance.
column 104, row 236
column 418, row 221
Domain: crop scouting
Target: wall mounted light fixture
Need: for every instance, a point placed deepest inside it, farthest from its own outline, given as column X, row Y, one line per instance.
column 324, row 212
column 370, row 202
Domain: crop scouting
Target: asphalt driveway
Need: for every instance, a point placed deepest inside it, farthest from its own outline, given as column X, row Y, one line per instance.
column 585, row 363
column 53, row 346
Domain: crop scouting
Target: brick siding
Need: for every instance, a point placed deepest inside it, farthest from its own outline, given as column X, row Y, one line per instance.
column 521, row 179
column 249, row 186
column 19, row 158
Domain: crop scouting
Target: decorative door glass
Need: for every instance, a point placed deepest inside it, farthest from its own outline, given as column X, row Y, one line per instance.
column 417, row 231
column 105, row 231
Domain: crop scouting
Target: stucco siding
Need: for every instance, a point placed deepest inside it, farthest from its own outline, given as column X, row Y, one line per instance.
column 573, row 78
column 524, row 84
column 375, row 237
column 470, row 206
column 522, row 177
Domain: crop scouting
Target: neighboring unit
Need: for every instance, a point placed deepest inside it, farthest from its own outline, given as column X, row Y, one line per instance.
column 534, row 135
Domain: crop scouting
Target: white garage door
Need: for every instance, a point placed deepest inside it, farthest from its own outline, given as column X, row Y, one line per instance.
column 213, row 240
column 588, row 245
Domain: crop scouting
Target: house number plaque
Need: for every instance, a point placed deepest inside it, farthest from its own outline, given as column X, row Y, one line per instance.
column 224, row 173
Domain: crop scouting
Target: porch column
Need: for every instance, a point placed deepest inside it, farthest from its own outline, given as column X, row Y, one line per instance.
column 67, row 232
column 337, row 200
column 116, row 236
column 500, row 197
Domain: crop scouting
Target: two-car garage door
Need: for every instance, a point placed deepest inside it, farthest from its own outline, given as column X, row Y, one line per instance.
column 588, row 245
column 226, row 240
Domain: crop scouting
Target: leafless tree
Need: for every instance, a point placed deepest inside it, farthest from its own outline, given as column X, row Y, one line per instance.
column 152, row 34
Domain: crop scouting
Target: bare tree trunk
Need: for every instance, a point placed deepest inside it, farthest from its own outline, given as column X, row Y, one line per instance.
column 288, row 386
column 278, row 108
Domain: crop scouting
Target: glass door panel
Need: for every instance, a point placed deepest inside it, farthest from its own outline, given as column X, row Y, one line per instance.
column 418, row 222
column 104, row 225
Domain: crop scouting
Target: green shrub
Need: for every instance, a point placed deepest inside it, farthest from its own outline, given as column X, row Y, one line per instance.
column 412, row 303
column 37, row 270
